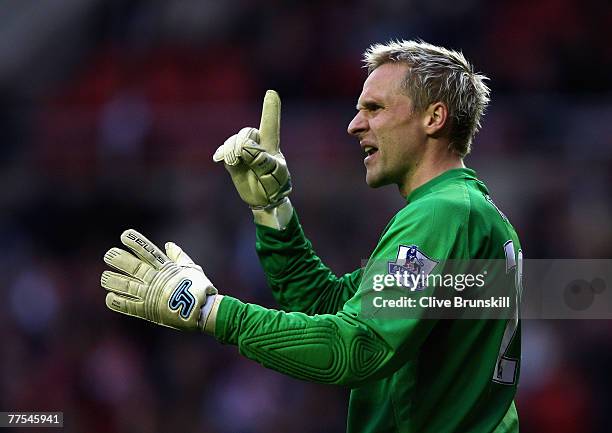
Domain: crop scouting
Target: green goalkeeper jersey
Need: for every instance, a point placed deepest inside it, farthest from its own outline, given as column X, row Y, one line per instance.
column 406, row 375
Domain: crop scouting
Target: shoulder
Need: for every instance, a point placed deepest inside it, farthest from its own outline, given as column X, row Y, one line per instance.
column 490, row 229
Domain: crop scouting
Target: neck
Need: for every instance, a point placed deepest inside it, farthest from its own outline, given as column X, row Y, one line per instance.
column 428, row 168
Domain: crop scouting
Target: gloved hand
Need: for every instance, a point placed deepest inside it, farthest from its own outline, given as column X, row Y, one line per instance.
column 168, row 289
column 254, row 160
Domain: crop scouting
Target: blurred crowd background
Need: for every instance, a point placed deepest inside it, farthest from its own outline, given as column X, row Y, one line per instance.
column 109, row 114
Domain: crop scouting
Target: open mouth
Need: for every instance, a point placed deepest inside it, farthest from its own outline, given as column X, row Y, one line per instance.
column 369, row 150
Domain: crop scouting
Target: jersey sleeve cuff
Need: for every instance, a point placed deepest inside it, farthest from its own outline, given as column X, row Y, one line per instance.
column 211, row 317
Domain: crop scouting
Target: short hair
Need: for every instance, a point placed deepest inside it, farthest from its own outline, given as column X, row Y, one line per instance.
column 437, row 74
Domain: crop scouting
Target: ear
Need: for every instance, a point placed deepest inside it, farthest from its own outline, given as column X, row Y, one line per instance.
column 436, row 119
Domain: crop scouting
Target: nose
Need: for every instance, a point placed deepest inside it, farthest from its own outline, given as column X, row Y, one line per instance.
column 358, row 125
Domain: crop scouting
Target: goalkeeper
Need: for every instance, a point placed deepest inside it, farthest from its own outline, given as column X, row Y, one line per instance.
column 417, row 115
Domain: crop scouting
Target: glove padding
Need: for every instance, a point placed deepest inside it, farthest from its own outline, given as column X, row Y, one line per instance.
column 254, row 160
column 168, row 289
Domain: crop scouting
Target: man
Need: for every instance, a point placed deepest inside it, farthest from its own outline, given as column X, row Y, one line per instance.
column 416, row 117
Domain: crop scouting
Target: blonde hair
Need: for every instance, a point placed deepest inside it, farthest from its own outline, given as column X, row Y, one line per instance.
column 437, row 74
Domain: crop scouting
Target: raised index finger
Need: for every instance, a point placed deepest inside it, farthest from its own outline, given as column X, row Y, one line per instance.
column 269, row 127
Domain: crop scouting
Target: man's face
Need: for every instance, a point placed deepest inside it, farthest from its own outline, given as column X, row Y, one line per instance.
column 387, row 128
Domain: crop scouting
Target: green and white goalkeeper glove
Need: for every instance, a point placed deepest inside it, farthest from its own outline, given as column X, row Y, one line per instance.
column 254, row 160
column 168, row 289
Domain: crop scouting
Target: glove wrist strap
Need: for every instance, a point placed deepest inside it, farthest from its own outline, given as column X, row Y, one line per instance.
column 208, row 314
column 277, row 217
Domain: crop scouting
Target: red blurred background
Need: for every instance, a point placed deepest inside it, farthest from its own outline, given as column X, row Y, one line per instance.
column 110, row 112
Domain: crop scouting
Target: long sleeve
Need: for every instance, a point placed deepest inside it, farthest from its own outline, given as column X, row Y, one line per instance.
column 351, row 346
column 298, row 278
column 342, row 349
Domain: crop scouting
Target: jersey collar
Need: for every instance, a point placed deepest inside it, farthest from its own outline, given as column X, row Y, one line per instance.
column 455, row 173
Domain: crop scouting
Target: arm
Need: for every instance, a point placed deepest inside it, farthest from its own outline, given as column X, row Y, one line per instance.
column 299, row 281
column 359, row 343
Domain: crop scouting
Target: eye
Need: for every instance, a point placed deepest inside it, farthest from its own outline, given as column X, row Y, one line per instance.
column 372, row 107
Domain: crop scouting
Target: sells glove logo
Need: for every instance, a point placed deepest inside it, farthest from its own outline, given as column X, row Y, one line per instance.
column 148, row 248
column 182, row 299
